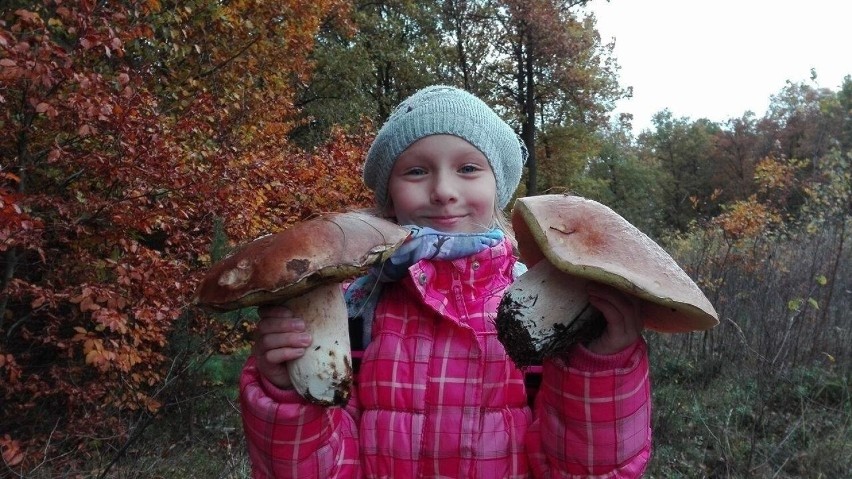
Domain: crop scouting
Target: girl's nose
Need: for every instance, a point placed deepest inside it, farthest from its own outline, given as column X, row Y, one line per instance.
column 443, row 192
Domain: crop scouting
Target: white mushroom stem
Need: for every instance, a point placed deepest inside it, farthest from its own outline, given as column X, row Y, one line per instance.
column 324, row 374
column 544, row 312
column 546, row 297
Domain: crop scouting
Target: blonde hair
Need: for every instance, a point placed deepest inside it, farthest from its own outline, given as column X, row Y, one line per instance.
column 501, row 221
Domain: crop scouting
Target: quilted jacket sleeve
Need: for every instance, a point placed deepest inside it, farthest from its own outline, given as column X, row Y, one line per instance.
column 289, row 437
column 593, row 416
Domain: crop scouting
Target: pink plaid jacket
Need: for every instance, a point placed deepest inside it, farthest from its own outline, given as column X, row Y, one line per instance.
column 437, row 396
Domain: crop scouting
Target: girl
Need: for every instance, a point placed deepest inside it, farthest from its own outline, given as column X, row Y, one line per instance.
column 436, row 394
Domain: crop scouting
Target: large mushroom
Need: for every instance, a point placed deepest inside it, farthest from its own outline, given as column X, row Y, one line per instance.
column 568, row 241
column 302, row 267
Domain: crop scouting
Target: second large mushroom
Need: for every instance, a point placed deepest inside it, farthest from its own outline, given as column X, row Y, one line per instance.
column 567, row 241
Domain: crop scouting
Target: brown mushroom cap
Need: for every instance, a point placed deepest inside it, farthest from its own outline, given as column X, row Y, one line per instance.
column 584, row 238
column 280, row 266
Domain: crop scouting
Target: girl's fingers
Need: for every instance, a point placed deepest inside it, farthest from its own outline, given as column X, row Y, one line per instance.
column 623, row 306
column 274, row 311
column 278, row 319
column 280, row 336
column 622, row 313
column 283, row 341
column 280, row 355
column 613, row 315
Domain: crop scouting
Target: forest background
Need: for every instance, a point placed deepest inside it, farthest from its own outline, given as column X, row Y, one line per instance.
column 141, row 140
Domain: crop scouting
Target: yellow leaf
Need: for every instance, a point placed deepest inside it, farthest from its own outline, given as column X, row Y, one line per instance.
column 93, row 356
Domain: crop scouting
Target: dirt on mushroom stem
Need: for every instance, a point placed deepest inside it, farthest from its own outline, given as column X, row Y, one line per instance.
column 588, row 325
column 341, row 393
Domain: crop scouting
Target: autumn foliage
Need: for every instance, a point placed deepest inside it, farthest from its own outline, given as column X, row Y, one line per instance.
column 140, row 139
column 127, row 130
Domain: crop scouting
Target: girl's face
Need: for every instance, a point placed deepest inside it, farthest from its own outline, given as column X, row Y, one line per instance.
column 445, row 183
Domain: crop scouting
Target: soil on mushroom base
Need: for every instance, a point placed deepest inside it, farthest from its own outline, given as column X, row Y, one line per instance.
column 520, row 345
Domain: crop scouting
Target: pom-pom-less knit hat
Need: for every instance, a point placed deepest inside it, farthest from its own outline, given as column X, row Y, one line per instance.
column 438, row 110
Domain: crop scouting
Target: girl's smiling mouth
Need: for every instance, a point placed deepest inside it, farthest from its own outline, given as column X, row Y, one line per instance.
column 445, row 221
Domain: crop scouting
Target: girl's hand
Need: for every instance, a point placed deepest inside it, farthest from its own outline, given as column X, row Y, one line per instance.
column 623, row 319
column 280, row 337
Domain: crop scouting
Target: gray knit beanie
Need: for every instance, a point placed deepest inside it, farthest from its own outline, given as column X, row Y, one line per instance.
column 437, row 110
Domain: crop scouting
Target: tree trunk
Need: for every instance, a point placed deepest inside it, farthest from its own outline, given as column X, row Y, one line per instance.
column 528, row 126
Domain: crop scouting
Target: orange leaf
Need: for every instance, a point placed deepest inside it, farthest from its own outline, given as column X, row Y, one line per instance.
column 38, row 302
column 87, row 304
column 94, row 356
column 12, row 453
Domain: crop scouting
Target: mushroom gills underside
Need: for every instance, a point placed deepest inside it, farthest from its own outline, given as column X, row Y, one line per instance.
column 544, row 313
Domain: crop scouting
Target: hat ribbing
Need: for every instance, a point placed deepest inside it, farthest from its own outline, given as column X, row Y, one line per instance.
column 438, row 110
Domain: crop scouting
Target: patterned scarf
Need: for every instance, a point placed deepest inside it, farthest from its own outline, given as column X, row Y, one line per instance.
column 423, row 243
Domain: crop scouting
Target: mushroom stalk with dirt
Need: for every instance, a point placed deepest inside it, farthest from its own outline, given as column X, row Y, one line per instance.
column 567, row 241
column 302, row 268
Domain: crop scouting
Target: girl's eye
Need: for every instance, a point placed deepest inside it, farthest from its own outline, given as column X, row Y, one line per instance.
column 415, row 172
column 469, row 169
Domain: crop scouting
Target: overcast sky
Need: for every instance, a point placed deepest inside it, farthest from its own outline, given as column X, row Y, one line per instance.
column 717, row 59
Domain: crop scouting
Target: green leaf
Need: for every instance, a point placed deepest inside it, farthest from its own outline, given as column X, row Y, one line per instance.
column 794, row 304
column 813, row 303
column 821, row 280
